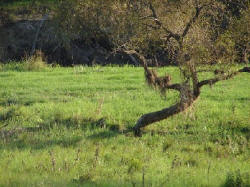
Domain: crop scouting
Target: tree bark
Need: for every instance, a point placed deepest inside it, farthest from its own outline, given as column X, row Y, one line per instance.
column 186, row 100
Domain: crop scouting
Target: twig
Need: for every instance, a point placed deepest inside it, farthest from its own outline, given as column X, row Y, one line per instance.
column 156, row 20
column 45, row 17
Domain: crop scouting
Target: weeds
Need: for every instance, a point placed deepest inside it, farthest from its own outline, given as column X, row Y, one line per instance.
column 33, row 63
column 236, row 179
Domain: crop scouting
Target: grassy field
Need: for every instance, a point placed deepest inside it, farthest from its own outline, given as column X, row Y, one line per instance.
column 66, row 127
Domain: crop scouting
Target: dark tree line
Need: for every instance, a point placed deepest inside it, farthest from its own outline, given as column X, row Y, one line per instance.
column 113, row 23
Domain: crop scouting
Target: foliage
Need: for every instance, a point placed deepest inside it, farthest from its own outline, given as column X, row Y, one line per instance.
column 236, row 179
column 32, row 63
column 240, row 35
column 86, row 21
column 115, row 23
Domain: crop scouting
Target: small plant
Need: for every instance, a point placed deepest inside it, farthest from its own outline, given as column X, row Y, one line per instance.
column 35, row 62
column 134, row 165
column 236, row 179
column 166, row 145
column 12, row 66
column 79, row 69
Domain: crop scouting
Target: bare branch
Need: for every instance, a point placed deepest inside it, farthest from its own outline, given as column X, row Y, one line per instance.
column 45, row 17
column 162, row 83
column 192, row 20
column 156, row 20
column 133, row 52
column 174, row 87
column 222, row 77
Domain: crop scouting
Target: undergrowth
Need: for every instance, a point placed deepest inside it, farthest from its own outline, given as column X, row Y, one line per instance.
column 32, row 63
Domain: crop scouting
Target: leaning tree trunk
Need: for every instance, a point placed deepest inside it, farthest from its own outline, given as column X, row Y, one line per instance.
column 187, row 94
column 186, row 100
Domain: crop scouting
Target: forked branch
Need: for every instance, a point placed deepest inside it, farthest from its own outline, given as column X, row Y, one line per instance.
column 171, row 34
column 193, row 19
column 162, row 83
column 159, row 23
column 187, row 96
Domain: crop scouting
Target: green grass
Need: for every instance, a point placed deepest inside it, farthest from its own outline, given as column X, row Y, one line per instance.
column 83, row 113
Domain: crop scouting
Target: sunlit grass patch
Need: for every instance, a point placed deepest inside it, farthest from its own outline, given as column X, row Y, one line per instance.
column 68, row 127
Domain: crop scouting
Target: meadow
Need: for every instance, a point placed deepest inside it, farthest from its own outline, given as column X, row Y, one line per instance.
column 69, row 127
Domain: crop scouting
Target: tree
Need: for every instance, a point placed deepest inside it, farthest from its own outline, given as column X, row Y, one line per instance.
column 196, row 35
column 198, row 44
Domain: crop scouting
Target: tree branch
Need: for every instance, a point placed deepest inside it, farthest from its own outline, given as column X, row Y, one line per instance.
column 222, row 77
column 174, row 87
column 156, row 20
column 192, row 20
column 45, row 17
column 163, row 83
column 142, row 58
column 186, row 100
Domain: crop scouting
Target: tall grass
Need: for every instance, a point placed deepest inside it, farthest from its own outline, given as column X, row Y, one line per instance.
column 32, row 63
column 67, row 127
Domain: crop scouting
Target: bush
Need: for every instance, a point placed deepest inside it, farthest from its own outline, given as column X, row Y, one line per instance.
column 35, row 62
column 32, row 63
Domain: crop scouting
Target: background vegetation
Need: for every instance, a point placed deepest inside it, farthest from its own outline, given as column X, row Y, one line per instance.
column 107, row 25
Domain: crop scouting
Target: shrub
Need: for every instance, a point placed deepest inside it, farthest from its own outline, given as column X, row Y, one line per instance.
column 35, row 62
column 32, row 63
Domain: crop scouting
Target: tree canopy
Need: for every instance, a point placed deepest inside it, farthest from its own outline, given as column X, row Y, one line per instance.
column 195, row 35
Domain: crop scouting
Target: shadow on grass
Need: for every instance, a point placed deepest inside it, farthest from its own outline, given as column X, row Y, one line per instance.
column 228, row 98
column 11, row 101
column 75, row 182
column 56, row 133
column 110, row 133
column 37, row 144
